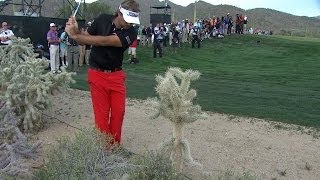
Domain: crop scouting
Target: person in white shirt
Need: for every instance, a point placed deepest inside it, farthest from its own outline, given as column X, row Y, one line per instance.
column 245, row 22
column 158, row 40
column 6, row 34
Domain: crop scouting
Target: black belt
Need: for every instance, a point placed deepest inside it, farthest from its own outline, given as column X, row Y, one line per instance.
column 106, row 70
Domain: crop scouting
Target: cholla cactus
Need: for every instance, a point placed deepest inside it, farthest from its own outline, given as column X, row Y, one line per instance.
column 175, row 104
column 24, row 85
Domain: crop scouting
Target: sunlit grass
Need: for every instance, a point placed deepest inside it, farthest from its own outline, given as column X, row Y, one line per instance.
column 275, row 78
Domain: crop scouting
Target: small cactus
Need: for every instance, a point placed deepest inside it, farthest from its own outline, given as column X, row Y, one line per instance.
column 175, row 104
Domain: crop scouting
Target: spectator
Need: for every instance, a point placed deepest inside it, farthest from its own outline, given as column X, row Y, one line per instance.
column 175, row 39
column 230, row 25
column 165, row 31
column 238, row 24
column 222, row 26
column 88, row 51
column 53, row 43
column 218, row 25
column 241, row 23
column 245, row 22
column 63, row 48
column 144, row 36
column 139, row 31
column 133, row 52
column 195, row 36
column 157, row 41
column 226, row 23
column 73, row 55
column 185, row 30
column 149, row 35
column 6, row 34
column 170, row 33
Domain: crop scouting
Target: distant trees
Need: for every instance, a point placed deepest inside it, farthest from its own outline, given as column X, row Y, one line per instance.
column 296, row 32
column 96, row 8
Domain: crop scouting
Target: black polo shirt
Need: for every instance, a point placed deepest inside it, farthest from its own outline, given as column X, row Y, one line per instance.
column 108, row 57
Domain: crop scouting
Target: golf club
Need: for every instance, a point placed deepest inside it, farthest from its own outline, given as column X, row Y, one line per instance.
column 76, row 10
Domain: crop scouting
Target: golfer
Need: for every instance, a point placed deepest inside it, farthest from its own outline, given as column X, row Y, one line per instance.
column 110, row 36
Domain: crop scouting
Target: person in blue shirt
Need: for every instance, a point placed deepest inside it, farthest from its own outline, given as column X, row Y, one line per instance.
column 63, row 48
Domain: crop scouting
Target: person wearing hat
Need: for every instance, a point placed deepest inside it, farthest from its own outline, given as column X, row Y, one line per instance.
column 110, row 36
column 53, row 43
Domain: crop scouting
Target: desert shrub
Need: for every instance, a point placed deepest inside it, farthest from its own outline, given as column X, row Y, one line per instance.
column 86, row 157
column 82, row 157
column 154, row 165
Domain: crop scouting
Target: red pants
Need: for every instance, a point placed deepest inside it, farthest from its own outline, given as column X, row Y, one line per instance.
column 108, row 94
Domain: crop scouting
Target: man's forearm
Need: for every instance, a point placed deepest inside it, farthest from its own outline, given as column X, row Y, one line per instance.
column 111, row 40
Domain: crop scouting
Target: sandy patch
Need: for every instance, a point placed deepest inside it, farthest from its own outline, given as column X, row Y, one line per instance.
column 221, row 143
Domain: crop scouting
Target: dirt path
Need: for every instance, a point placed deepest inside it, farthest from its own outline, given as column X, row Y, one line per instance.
column 221, row 143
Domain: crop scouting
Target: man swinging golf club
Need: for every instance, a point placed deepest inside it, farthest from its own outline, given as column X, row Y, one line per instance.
column 110, row 36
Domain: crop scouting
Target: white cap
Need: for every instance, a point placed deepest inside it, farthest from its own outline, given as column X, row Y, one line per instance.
column 52, row 24
column 130, row 16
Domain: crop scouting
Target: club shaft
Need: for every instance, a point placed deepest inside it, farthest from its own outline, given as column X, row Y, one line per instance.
column 75, row 12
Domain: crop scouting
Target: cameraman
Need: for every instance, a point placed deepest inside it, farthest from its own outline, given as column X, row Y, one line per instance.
column 6, row 34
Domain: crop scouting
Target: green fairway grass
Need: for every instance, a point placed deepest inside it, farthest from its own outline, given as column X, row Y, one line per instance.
column 270, row 77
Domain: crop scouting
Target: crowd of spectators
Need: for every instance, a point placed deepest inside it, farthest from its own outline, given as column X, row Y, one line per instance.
column 175, row 34
column 69, row 54
column 62, row 50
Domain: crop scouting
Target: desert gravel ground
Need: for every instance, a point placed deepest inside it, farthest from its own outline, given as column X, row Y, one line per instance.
column 222, row 143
